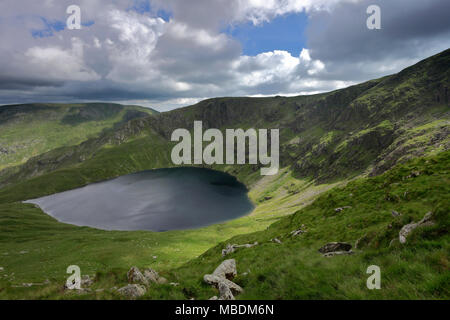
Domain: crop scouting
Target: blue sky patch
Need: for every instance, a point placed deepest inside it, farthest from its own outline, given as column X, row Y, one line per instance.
column 50, row 26
column 144, row 6
column 141, row 6
column 88, row 23
column 164, row 15
column 282, row 33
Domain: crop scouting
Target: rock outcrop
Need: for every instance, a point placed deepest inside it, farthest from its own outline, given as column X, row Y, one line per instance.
column 226, row 269
column 152, row 276
column 230, row 248
column 335, row 247
column 298, row 231
column 341, row 209
column 337, row 253
column 225, row 292
column 132, row 291
column 149, row 275
column 221, row 280
column 85, row 281
column 407, row 229
column 215, row 281
column 134, row 275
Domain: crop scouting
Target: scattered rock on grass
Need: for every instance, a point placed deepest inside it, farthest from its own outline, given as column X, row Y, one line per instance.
column 134, row 275
column 414, row 174
column 299, row 231
column 230, row 248
column 276, row 240
column 153, row 276
column 222, row 277
column 341, row 209
column 337, row 253
column 225, row 292
column 335, row 247
column 86, row 281
column 132, row 291
column 215, row 281
column 407, row 229
column 227, row 269
column 149, row 275
column 395, row 213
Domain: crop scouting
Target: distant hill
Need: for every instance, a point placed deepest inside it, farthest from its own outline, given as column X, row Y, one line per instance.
column 28, row 130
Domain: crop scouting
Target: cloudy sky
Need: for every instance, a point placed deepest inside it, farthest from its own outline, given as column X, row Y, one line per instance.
column 170, row 53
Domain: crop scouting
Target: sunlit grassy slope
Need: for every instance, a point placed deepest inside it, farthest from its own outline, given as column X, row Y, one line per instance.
column 34, row 247
column 32, row 129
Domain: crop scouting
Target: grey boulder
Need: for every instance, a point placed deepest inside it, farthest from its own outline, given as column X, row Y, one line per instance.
column 225, row 292
column 152, row 276
column 132, row 291
column 226, row 269
column 134, row 275
column 407, row 229
column 230, row 248
column 335, row 246
column 215, row 281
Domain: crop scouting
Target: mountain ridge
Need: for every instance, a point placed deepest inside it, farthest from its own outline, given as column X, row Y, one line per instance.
column 371, row 124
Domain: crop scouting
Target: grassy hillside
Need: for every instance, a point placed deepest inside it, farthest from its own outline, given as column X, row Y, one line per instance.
column 295, row 269
column 331, row 144
column 35, row 247
column 32, row 129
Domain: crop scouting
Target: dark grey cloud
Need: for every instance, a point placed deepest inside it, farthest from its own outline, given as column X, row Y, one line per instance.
column 411, row 30
column 132, row 56
column 11, row 82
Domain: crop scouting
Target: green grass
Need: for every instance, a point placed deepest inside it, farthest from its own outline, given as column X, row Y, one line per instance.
column 293, row 270
column 296, row 270
column 52, row 246
column 32, row 130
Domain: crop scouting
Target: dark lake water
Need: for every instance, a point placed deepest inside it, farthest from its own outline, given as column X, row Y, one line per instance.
column 156, row 200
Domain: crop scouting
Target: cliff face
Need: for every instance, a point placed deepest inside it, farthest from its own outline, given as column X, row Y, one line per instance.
column 364, row 128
